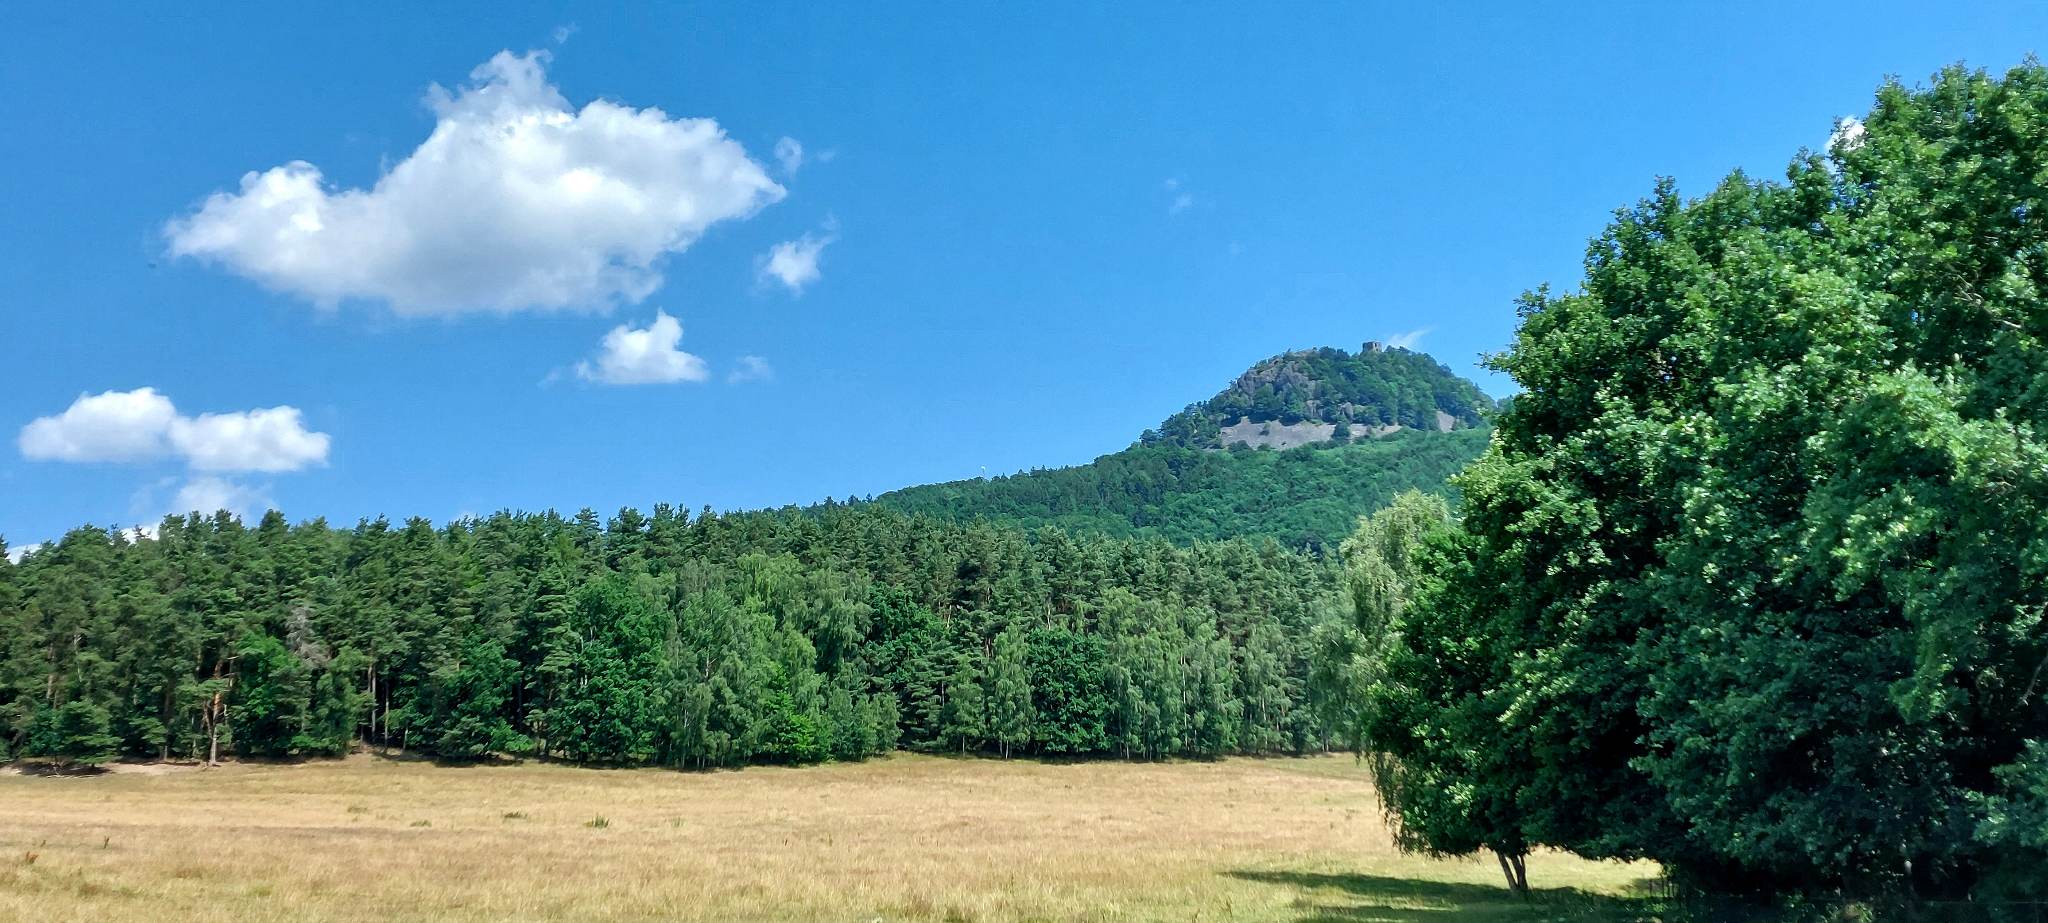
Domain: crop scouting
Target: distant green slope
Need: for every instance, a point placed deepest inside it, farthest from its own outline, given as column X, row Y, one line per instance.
column 1303, row 497
column 1296, row 449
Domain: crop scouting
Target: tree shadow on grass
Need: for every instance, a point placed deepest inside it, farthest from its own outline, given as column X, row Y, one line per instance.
column 1341, row 898
column 55, row 769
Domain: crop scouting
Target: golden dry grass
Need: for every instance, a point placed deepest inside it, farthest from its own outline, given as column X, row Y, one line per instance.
column 904, row 838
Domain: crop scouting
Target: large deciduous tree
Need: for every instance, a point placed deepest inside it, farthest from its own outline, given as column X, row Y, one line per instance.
column 1753, row 577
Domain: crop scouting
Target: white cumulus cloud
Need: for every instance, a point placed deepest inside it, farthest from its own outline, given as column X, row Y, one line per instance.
column 14, row 555
column 644, row 356
column 272, row 439
column 142, row 425
column 110, row 426
column 514, row 201
column 794, row 263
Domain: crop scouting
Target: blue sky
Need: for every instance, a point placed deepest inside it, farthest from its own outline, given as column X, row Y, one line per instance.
column 1018, row 235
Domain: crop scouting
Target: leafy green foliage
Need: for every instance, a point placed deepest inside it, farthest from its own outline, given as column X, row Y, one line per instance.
column 1752, row 579
column 1382, row 567
column 1010, row 712
column 2014, row 827
column 80, row 732
column 272, row 700
column 612, row 716
column 1066, row 680
column 966, row 705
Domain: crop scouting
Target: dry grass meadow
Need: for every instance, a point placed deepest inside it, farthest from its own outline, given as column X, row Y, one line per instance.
column 904, row 838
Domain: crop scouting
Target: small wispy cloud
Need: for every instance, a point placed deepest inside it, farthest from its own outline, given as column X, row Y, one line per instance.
column 750, row 368
column 562, row 33
column 789, row 154
column 794, row 263
column 1181, row 200
column 649, row 355
column 1410, row 339
column 208, row 495
column 202, row 494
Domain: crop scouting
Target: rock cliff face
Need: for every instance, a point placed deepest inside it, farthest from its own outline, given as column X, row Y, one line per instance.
column 1320, row 395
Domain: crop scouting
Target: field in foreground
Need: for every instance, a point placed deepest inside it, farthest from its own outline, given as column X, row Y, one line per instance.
column 905, row 838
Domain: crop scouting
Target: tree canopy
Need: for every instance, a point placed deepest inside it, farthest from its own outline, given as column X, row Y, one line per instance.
column 1752, row 579
column 791, row 636
column 1307, row 497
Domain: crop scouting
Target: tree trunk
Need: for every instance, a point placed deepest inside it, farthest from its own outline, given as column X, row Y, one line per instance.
column 170, row 713
column 1517, row 874
column 370, row 680
column 213, row 712
column 216, row 709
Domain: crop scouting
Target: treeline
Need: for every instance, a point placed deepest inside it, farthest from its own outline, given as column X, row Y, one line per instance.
column 1753, row 579
column 835, row 633
column 1308, row 497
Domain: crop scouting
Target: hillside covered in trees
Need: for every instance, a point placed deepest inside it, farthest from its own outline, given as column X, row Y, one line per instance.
column 1123, row 608
column 667, row 639
column 1309, row 497
column 1296, row 449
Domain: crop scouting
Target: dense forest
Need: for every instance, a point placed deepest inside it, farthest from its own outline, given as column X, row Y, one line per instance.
column 1309, row 497
column 1753, row 577
column 833, row 633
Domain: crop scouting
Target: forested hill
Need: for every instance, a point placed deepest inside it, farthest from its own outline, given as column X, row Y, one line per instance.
column 1320, row 395
column 1295, row 449
column 1303, row 497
